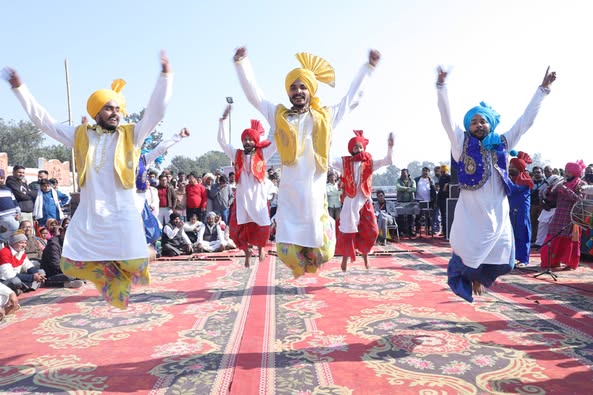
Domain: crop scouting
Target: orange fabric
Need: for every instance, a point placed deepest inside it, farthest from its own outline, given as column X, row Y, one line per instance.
column 366, row 181
column 258, row 165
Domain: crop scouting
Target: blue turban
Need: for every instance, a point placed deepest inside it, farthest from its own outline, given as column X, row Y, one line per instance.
column 492, row 140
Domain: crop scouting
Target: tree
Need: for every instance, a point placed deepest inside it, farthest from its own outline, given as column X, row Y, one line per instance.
column 19, row 141
column 537, row 160
column 387, row 178
column 208, row 162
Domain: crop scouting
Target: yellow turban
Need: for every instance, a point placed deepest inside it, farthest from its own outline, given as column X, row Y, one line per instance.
column 314, row 69
column 445, row 169
column 102, row 96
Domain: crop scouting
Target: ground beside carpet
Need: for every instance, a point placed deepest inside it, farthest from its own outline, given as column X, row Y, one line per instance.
column 213, row 327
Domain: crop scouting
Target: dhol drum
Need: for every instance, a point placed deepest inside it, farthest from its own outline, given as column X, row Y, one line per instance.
column 581, row 213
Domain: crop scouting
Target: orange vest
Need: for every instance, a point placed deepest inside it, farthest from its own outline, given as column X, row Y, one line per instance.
column 366, row 179
column 258, row 164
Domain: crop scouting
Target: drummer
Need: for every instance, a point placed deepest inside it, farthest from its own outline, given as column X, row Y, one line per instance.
column 563, row 241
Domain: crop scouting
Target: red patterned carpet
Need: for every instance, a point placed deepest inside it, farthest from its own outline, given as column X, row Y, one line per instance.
column 213, row 327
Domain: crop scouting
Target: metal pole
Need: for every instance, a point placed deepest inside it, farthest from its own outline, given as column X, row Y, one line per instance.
column 73, row 162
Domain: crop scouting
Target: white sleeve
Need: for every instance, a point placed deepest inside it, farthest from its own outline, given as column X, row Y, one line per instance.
column 6, row 271
column 456, row 134
column 526, row 120
column 5, row 293
column 352, row 98
column 224, row 142
column 388, row 160
column 42, row 120
column 253, row 93
column 162, row 148
column 155, row 110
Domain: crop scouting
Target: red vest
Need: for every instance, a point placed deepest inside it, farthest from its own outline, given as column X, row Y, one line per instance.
column 258, row 164
column 366, row 178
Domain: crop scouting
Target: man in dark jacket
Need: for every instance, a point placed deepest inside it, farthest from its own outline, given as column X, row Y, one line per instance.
column 21, row 191
column 50, row 263
column 222, row 197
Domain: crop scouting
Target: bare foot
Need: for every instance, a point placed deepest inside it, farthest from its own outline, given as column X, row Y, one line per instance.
column 365, row 258
column 262, row 254
column 477, row 288
column 247, row 256
column 344, row 263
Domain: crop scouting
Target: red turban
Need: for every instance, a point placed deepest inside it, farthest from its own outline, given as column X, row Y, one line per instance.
column 520, row 163
column 255, row 132
column 359, row 138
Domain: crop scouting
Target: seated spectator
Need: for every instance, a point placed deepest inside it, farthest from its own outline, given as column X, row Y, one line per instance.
column 174, row 241
column 16, row 270
column 211, row 238
column 53, row 225
column 50, row 263
column 9, row 302
column 42, row 236
column 49, row 203
column 34, row 248
column 385, row 212
column 230, row 244
column 192, row 228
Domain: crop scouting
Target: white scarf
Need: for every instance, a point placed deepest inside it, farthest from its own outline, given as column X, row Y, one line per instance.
column 38, row 208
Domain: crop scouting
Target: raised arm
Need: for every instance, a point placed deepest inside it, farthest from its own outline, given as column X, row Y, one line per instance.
column 155, row 110
column 37, row 114
column 388, row 160
column 165, row 145
column 250, row 87
column 223, row 141
column 455, row 134
column 526, row 120
column 356, row 90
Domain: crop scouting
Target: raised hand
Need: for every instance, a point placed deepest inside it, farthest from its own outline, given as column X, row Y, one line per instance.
column 549, row 77
column 184, row 132
column 12, row 77
column 226, row 112
column 165, row 65
column 390, row 139
column 441, row 75
column 374, row 57
column 240, row 53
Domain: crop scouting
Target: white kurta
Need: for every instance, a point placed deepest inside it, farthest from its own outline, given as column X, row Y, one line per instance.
column 350, row 214
column 251, row 200
column 106, row 224
column 482, row 230
column 301, row 194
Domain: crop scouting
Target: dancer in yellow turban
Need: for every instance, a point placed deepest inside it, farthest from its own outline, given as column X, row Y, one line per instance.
column 105, row 242
column 305, row 235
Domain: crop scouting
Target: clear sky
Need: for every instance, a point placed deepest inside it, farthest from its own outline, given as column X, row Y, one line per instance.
column 497, row 51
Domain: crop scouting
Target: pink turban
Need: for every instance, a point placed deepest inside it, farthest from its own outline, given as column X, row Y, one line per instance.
column 576, row 168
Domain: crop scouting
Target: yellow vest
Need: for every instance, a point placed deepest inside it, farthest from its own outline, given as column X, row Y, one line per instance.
column 126, row 156
column 286, row 136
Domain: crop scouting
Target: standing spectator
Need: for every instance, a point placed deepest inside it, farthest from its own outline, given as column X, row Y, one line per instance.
column 10, row 211
column 436, row 214
column 406, row 189
column 196, row 197
column 208, row 180
column 426, row 194
column 536, row 205
column 21, row 191
column 222, row 197
column 232, row 181
column 442, row 197
column 167, row 198
column 41, row 175
column 49, row 203
column 334, row 192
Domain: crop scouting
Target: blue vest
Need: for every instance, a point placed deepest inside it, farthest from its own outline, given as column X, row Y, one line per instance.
column 473, row 167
